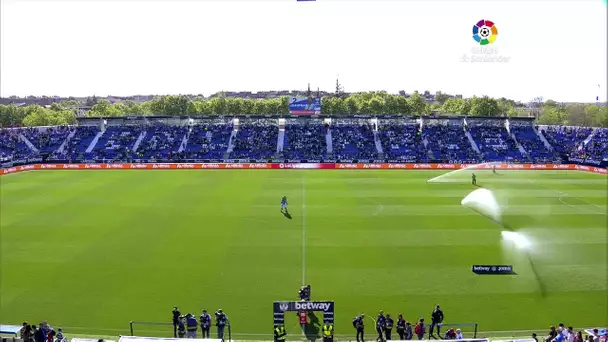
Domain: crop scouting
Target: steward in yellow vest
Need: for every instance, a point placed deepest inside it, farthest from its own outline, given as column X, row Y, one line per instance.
column 279, row 334
column 328, row 332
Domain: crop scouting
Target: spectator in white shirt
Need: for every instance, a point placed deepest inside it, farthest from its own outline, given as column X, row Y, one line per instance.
column 459, row 334
column 571, row 335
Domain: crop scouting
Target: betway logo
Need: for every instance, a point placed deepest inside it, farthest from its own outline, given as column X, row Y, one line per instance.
column 446, row 166
column 27, row 167
column 10, row 170
column 114, row 166
column 561, row 166
column 538, row 166
column 71, row 166
column 139, row 166
column 185, row 166
column 161, row 166
column 210, row 166
column 372, row 166
column 515, row 166
column 422, row 166
column 93, row 166
column 348, row 166
column 397, row 166
column 312, row 306
column 49, row 166
column 258, row 166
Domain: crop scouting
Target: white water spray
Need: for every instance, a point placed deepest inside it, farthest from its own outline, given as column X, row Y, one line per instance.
column 464, row 174
column 483, row 201
column 518, row 239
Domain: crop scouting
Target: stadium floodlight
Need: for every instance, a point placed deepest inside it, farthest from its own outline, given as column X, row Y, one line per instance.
column 519, row 240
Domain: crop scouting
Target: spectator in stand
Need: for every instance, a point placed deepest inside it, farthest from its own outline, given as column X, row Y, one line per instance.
column 578, row 337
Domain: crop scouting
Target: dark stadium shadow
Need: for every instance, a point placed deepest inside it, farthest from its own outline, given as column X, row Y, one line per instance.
column 286, row 214
column 312, row 328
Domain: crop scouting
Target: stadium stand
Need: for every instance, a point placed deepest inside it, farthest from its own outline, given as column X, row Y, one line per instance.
column 255, row 140
column 443, row 140
column 208, row 141
column 532, row 144
column 116, row 142
column 565, row 140
column 401, row 142
column 353, row 140
column 305, row 140
column 494, row 141
column 76, row 147
column 447, row 141
column 161, row 142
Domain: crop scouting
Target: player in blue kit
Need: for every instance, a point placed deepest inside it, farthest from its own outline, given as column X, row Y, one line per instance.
column 284, row 204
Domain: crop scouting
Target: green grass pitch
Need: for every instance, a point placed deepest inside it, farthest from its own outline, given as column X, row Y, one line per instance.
column 92, row 250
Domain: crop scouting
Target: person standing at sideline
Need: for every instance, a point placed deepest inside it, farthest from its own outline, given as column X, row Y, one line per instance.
column 436, row 319
column 205, row 321
column 401, row 327
column 176, row 315
column 359, row 326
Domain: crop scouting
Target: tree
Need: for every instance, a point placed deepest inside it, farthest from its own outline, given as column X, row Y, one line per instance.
column 441, row 97
column 104, row 108
column 484, row 106
column 417, row 104
column 91, row 101
column 352, row 106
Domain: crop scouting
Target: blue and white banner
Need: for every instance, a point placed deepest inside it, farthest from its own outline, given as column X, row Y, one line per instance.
column 302, row 106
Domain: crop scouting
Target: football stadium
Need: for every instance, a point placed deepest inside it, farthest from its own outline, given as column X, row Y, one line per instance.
column 127, row 217
column 380, row 214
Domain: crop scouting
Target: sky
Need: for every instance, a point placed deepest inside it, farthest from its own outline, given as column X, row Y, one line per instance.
column 550, row 49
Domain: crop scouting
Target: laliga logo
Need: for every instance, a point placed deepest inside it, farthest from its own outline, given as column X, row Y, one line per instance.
column 284, row 306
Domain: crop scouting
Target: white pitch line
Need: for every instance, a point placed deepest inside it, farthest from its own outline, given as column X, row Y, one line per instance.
column 563, row 194
column 303, row 215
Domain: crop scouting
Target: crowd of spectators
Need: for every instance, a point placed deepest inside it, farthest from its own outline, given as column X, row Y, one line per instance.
column 116, row 143
column 11, row 146
column 353, row 140
column 78, row 144
column 401, row 142
column 563, row 334
column 448, row 142
column 495, row 143
column 566, row 140
column 255, row 140
column 531, row 142
column 208, row 141
column 41, row 333
column 596, row 149
column 161, row 142
column 305, row 142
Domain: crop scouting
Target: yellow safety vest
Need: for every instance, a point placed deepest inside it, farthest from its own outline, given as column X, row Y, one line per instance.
column 328, row 331
column 281, row 335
